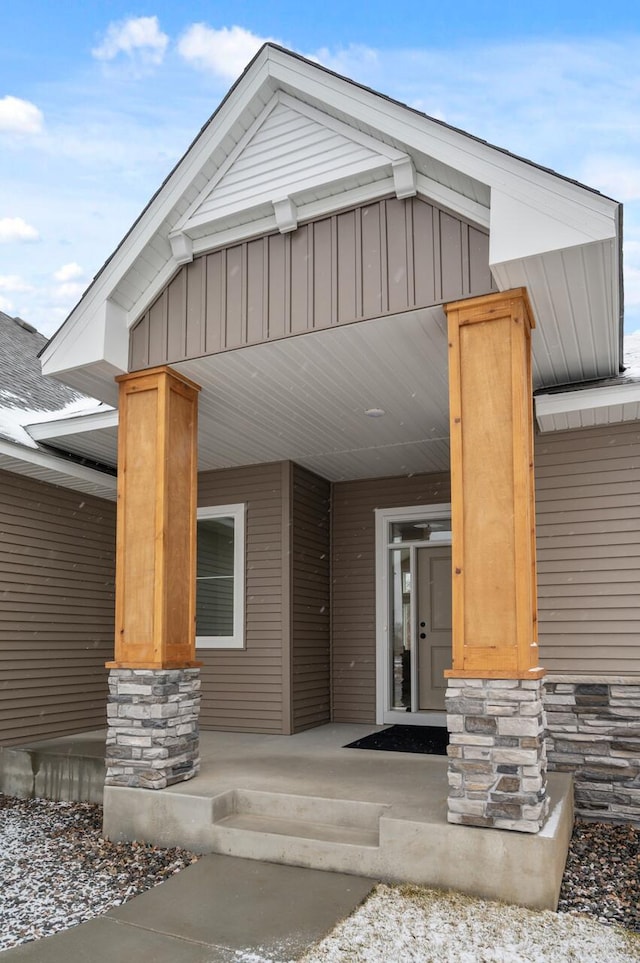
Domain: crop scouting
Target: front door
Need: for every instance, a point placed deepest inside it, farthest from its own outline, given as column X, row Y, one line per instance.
column 433, row 609
column 414, row 614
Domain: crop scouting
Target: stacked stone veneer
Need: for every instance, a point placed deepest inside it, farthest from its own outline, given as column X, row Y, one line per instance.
column 594, row 733
column 497, row 754
column 152, row 739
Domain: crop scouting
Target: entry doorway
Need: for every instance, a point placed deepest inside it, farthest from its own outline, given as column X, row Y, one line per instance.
column 413, row 613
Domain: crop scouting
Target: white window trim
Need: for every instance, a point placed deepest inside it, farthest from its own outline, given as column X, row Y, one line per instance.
column 237, row 640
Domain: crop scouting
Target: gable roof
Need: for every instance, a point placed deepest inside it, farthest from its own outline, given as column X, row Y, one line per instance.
column 292, row 141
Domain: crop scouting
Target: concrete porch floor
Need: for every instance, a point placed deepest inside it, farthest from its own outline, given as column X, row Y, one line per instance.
column 305, row 800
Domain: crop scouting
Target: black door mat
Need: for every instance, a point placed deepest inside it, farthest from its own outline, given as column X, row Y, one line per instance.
column 427, row 739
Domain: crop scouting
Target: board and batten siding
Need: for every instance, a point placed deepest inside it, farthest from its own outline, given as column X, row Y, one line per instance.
column 382, row 258
column 588, row 543
column 354, row 582
column 248, row 689
column 310, row 600
column 57, row 551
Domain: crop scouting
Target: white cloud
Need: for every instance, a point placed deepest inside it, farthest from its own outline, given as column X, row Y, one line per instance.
column 68, row 272
column 6, row 305
column 69, row 291
column 19, row 116
column 137, row 37
column 225, row 52
column 13, row 282
column 16, row 229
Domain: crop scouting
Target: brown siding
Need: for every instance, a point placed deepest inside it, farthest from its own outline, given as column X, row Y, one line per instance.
column 353, row 582
column 382, row 258
column 588, row 528
column 56, row 609
column 247, row 690
column 310, row 603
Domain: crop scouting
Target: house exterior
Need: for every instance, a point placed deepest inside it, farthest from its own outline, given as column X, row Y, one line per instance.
column 376, row 459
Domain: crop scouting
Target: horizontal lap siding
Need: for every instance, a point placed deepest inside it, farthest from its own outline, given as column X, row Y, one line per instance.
column 588, row 538
column 310, row 602
column 353, row 582
column 382, row 258
column 56, row 609
column 243, row 690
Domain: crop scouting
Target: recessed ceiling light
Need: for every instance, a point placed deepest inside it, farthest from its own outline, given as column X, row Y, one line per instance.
column 374, row 412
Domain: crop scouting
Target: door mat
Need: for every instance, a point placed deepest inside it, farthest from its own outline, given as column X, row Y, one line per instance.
column 427, row 739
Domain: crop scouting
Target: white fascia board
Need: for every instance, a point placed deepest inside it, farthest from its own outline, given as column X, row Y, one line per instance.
column 68, row 473
column 587, row 407
column 73, row 425
column 489, row 165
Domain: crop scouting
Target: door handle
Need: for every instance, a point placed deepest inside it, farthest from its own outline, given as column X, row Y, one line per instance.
column 423, row 635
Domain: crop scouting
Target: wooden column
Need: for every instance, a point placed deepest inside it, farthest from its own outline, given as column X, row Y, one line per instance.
column 156, row 528
column 492, row 488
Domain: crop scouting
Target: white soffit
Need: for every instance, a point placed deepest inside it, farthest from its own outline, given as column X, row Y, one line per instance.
column 305, row 398
column 533, row 211
column 588, row 407
column 46, row 467
column 93, row 436
column 571, row 292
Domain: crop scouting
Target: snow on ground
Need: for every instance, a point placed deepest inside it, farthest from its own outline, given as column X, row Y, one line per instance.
column 410, row 924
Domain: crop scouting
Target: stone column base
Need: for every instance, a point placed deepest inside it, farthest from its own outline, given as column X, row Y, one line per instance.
column 153, row 738
column 497, row 756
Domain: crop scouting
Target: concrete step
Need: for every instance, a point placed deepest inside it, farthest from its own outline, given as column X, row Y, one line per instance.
column 300, row 829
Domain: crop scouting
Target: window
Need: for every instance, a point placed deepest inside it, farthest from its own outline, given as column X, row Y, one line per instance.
column 220, row 578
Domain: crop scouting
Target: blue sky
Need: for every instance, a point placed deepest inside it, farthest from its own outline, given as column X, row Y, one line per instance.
column 98, row 101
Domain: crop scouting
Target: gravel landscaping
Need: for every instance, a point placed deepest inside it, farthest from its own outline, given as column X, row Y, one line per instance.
column 57, row 870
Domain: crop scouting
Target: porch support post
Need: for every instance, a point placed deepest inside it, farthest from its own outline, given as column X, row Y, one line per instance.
column 497, row 760
column 154, row 679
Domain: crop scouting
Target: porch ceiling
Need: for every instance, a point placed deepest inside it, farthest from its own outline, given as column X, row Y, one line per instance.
column 305, row 399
